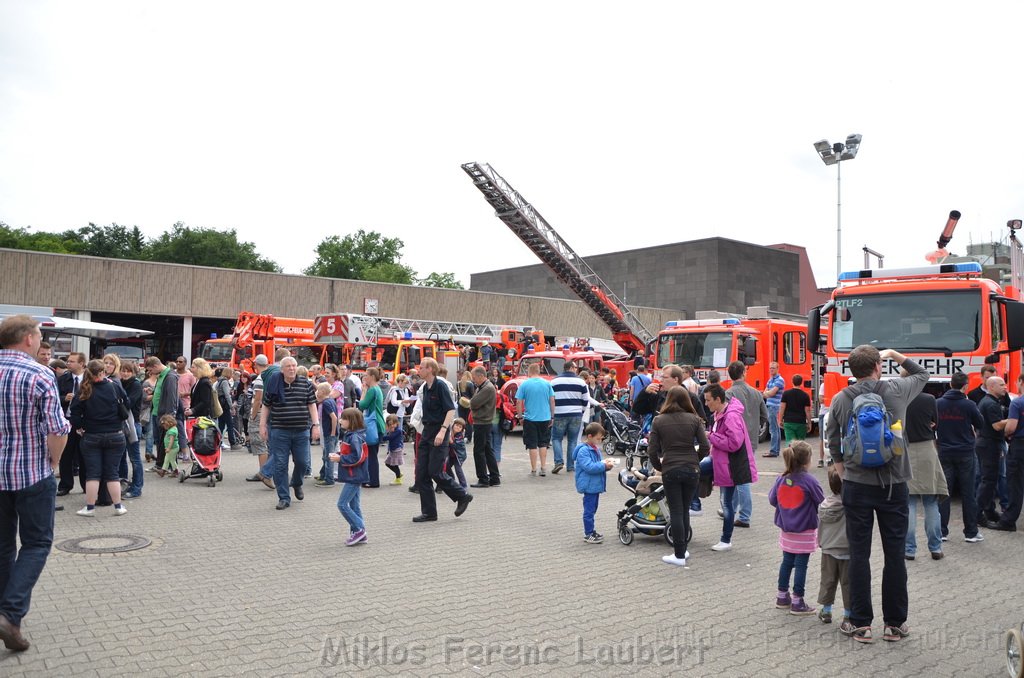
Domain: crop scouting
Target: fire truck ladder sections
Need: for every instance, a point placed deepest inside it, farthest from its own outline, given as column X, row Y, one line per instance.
column 445, row 330
column 568, row 266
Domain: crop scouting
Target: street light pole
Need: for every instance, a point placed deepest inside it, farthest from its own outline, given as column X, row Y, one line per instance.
column 834, row 154
column 839, row 220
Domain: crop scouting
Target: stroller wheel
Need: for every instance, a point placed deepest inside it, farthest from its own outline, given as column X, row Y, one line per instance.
column 668, row 534
column 625, row 534
column 182, row 474
column 211, row 481
column 220, row 476
column 608, row 447
column 1014, row 653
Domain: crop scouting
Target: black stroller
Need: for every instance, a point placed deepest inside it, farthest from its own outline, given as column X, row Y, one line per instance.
column 644, row 513
column 622, row 433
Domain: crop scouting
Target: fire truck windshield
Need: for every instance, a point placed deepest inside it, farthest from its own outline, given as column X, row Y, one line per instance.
column 551, row 367
column 220, row 353
column 906, row 321
column 700, row 349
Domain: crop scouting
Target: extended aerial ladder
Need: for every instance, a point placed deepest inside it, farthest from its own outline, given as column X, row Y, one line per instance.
column 351, row 328
column 569, row 267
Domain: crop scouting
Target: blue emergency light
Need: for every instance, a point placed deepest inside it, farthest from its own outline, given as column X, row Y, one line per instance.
column 213, row 335
column 407, row 335
column 965, row 267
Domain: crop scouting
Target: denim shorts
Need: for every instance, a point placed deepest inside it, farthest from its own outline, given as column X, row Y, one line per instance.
column 101, row 453
column 536, row 434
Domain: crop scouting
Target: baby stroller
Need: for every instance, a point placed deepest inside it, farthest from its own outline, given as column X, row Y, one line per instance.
column 204, row 445
column 644, row 514
column 622, row 432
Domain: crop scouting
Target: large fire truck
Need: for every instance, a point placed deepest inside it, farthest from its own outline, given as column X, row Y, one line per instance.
column 756, row 339
column 946, row 317
column 262, row 334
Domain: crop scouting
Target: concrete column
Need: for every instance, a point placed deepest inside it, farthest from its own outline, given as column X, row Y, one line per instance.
column 186, row 339
column 81, row 344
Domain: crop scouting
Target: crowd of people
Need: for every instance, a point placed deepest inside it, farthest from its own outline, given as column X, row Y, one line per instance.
column 91, row 420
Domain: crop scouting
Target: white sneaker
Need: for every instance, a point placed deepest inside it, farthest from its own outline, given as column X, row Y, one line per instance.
column 672, row 560
column 971, row 540
column 695, row 514
column 722, row 546
column 120, row 511
column 86, row 511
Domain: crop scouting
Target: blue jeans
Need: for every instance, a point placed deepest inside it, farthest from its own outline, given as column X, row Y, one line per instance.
column 589, row 511
column 147, row 430
column 795, row 564
column 728, row 497
column 284, row 443
column 330, row 471
column 932, row 523
column 28, row 512
column 565, row 427
column 960, row 470
column 773, row 428
column 743, row 503
column 348, row 504
column 496, row 437
column 135, row 456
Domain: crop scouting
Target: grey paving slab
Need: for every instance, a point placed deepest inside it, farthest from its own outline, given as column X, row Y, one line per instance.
column 232, row 587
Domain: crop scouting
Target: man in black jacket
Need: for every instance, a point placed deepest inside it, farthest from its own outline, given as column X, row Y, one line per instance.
column 71, row 460
column 956, row 428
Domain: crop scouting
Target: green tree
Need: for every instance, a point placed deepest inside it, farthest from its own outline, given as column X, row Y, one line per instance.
column 363, row 255
column 39, row 241
column 446, row 279
column 113, row 241
column 208, row 247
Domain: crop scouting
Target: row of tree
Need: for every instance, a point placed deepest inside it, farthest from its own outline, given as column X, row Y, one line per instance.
column 363, row 255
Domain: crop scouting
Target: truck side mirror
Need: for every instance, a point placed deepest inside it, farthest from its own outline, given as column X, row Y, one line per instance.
column 814, row 330
column 1014, row 312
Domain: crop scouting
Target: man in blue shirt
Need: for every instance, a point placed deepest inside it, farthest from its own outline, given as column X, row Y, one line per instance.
column 638, row 383
column 535, row 402
column 1014, row 463
column 773, row 400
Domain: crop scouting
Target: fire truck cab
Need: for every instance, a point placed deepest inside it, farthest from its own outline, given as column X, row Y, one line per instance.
column 709, row 344
column 946, row 317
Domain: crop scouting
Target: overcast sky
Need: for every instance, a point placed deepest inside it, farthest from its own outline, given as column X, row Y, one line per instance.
column 625, row 124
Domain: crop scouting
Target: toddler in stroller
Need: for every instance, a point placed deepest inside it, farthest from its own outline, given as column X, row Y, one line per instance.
column 204, row 442
column 644, row 512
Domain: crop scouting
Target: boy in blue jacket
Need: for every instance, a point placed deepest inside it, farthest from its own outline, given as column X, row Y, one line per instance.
column 590, row 477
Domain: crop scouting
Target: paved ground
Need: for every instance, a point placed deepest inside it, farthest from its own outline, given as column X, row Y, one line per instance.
column 230, row 586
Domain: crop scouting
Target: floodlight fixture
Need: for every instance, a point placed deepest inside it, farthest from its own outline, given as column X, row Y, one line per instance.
column 833, row 154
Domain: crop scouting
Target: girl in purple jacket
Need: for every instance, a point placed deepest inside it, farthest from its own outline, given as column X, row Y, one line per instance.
column 795, row 496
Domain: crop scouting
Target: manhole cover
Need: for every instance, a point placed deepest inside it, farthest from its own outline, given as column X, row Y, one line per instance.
column 104, row 543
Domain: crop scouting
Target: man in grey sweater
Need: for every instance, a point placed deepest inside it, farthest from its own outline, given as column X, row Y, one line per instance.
column 482, row 408
column 755, row 414
column 871, row 492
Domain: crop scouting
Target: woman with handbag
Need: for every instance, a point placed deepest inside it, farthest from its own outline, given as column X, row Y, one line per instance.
column 730, row 447
column 98, row 413
column 372, row 406
column 202, row 391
